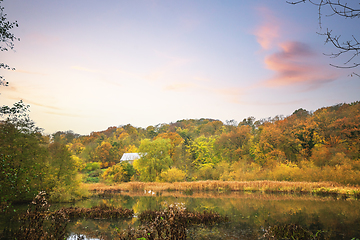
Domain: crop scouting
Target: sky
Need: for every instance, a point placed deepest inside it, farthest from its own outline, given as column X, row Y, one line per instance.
column 87, row 65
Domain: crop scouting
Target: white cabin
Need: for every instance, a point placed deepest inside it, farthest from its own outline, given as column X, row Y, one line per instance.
column 129, row 157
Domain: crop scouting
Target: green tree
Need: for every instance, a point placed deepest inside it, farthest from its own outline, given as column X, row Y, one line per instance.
column 202, row 151
column 23, row 155
column 63, row 167
column 155, row 158
column 63, row 179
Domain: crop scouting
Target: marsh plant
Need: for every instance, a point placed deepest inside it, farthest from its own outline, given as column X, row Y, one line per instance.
column 170, row 223
column 40, row 223
column 36, row 223
column 293, row 232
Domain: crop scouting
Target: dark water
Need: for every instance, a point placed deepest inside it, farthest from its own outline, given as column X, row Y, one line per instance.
column 250, row 214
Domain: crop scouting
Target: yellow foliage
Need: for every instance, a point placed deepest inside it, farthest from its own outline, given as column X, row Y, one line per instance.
column 132, row 149
column 79, row 164
column 207, row 172
column 172, row 175
column 321, row 155
column 286, row 172
column 115, row 173
column 68, row 193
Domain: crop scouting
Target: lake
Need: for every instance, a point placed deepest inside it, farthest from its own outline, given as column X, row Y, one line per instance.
column 249, row 213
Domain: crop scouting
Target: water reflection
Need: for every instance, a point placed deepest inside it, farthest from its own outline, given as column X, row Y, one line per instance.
column 250, row 213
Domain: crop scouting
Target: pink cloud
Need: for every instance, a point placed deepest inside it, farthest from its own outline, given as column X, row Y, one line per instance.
column 295, row 63
column 267, row 33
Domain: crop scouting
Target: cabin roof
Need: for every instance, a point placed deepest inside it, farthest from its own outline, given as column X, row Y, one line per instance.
column 129, row 156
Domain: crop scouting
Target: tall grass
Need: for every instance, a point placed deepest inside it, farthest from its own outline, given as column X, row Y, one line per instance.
column 223, row 186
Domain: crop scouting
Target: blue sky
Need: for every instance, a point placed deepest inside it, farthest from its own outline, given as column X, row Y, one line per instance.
column 87, row 65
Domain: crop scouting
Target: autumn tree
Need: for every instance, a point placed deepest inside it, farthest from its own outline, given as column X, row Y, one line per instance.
column 155, row 158
column 175, row 140
column 65, row 137
column 121, row 172
column 211, row 128
column 103, row 154
column 234, row 145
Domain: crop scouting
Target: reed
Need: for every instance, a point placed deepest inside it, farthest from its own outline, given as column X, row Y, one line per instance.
column 170, row 223
column 329, row 188
column 292, row 231
column 96, row 212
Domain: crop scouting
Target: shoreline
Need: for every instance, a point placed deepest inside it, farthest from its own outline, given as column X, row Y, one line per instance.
column 318, row 188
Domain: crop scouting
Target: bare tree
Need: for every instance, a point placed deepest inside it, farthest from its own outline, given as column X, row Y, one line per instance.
column 351, row 47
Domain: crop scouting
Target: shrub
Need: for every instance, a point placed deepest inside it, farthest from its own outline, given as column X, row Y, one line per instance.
column 92, row 166
column 119, row 173
column 68, row 193
column 172, row 175
column 207, row 172
column 286, row 172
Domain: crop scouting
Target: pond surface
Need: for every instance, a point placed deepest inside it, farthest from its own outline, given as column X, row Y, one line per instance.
column 249, row 213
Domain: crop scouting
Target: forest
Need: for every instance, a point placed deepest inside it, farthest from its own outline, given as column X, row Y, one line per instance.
column 318, row 146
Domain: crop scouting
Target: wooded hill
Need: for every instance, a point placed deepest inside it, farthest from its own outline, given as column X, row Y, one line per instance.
column 307, row 146
column 319, row 146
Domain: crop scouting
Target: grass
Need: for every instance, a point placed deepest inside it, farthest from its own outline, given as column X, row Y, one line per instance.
column 316, row 188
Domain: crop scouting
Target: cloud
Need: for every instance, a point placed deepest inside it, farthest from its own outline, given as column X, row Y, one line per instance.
column 232, row 94
column 169, row 65
column 64, row 114
column 201, row 79
column 267, row 33
column 234, row 91
column 129, row 74
column 155, row 75
column 179, row 86
column 29, row 72
column 112, row 82
column 35, row 103
column 83, row 69
column 295, row 63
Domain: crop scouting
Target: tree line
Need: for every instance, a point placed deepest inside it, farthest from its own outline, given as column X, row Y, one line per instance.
column 306, row 146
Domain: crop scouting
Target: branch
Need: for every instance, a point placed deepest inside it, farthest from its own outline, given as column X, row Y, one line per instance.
column 345, row 47
column 344, row 10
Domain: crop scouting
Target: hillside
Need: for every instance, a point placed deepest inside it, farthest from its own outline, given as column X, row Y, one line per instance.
column 306, row 146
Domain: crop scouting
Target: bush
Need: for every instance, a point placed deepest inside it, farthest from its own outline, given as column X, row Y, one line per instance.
column 95, row 173
column 119, row 173
column 286, row 172
column 92, row 166
column 92, row 180
column 172, row 175
column 68, row 193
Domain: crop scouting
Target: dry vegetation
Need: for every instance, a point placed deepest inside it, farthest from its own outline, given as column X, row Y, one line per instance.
column 230, row 186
